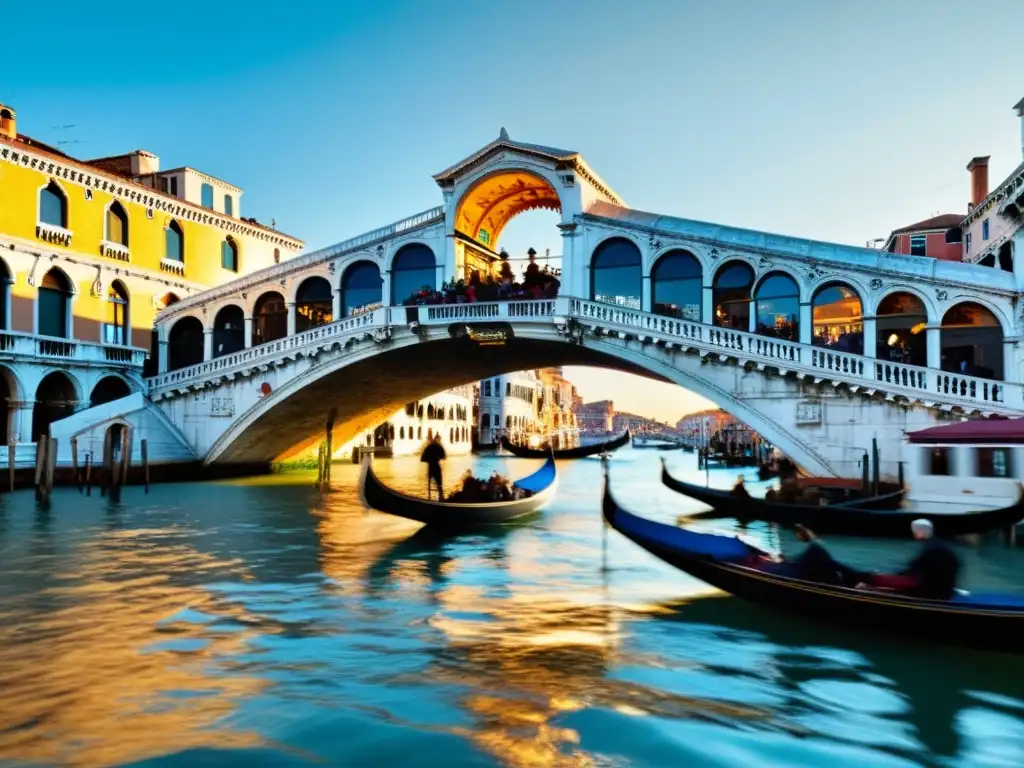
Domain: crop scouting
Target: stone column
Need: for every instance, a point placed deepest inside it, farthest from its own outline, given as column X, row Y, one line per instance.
column 806, row 329
column 575, row 280
column 707, row 311
column 752, row 319
column 934, row 342
column 646, row 296
column 870, row 334
column 161, row 360
column 207, row 344
column 385, row 290
column 291, row 317
column 336, row 304
column 1010, row 360
column 20, row 426
column 247, row 325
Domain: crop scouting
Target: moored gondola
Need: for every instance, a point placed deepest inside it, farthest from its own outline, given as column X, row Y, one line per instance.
column 459, row 515
column 873, row 516
column 994, row 621
column 565, row 453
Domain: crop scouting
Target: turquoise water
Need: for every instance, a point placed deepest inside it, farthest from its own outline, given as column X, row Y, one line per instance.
column 259, row 623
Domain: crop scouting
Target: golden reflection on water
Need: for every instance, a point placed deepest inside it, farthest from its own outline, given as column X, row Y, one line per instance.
column 84, row 679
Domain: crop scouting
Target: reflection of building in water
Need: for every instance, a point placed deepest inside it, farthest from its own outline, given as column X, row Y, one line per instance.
column 448, row 414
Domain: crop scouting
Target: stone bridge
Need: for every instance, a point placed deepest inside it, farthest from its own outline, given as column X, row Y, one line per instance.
column 819, row 347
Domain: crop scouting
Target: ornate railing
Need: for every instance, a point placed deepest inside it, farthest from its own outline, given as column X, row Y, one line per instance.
column 28, row 346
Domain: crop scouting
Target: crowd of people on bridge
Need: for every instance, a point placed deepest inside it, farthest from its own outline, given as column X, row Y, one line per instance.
column 537, row 283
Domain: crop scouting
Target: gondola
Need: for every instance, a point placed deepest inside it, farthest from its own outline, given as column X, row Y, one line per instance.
column 449, row 515
column 566, row 453
column 873, row 516
column 981, row 621
column 655, row 446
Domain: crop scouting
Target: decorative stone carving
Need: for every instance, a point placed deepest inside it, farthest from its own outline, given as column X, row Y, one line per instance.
column 815, row 270
column 765, row 263
column 713, row 254
column 654, row 242
column 331, row 268
column 381, row 335
column 940, row 294
column 875, row 284
column 97, row 285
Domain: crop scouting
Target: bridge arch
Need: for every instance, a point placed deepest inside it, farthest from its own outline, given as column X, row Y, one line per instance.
column 777, row 305
column 56, row 396
column 489, row 199
column 677, row 285
column 228, row 330
column 413, row 266
column 185, row 343
column 314, row 302
column 616, row 272
column 269, row 318
column 901, row 317
column 837, row 316
column 361, row 285
column 732, row 294
column 971, row 339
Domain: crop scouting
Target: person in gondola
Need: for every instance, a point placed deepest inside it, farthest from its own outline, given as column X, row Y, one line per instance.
column 816, row 563
column 931, row 574
column 740, row 489
column 432, row 456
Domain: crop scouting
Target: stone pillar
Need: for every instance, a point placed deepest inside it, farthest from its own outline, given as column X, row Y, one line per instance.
column 385, row 290
column 161, row 359
column 806, row 328
column 1010, row 360
column 870, row 334
column 934, row 342
column 207, row 344
column 247, row 325
column 291, row 317
column 707, row 310
column 646, row 295
column 336, row 304
column 20, row 424
column 752, row 319
column 575, row 271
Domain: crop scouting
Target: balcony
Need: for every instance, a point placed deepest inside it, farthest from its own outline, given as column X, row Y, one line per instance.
column 51, row 233
column 16, row 346
column 114, row 251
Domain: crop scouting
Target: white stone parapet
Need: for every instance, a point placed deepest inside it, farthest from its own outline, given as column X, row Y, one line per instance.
column 27, row 346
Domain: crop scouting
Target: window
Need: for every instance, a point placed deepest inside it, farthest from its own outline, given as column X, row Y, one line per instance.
column 993, row 462
column 939, row 461
column 401, row 433
column 967, row 243
column 206, row 193
column 163, row 184
column 229, row 255
column 115, row 327
column 229, row 205
column 313, row 304
column 277, row 255
column 615, row 273
column 918, row 245
column 487, row 388
column 52, row 305
column 53, row 206
column 984, row 230
column 174, row 243
column 117, row 224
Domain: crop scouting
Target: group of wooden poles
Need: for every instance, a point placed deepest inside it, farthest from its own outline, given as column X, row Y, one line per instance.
column 110, row 476
column 324, row 453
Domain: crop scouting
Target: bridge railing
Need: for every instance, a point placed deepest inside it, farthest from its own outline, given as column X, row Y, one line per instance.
column 489, row 311
column 834, row 364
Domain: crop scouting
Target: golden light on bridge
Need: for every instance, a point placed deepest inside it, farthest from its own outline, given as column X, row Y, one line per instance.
column 493, row 201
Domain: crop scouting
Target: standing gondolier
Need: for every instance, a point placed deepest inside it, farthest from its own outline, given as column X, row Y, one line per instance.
column 432, row 456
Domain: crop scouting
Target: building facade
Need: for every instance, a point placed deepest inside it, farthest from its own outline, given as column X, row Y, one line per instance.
column 596, row 417
column 91, row 251
column 508, row 407
column 698, row 428
column 555, row 408
column 407, row 431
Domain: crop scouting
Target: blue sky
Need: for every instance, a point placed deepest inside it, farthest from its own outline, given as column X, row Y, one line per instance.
column 834, row 120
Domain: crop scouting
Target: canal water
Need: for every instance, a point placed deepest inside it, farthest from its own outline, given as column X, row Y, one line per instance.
column 259, row 623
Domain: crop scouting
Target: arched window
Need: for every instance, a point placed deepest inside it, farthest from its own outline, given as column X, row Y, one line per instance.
column 229, row 254
column 451, row 434
column 228, row 331
column 401, row 433
column 972, row 341
column 108, row 389
column 419, row 433
column 487, row 388
column 117, row 224
column 269, row 318
column 361, row 288
column 185, row 344
column 55, row 400
column 116, row 327
column 508, row 422
column 838, row 318
column 900, row 324
column 615, row 273
column 430, row 433
column 778, row 307
column 229, row 205
column 676, row 285
column 731, row 295
column 485, row 420
column 53, row 304
column 53, row 206
column 412, row 269
column 174, row 243
column 430, row 410
column 313, row 304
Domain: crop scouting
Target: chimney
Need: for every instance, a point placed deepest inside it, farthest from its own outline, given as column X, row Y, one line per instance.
column 8, row 123
column 979, row 180
column 1019, row 109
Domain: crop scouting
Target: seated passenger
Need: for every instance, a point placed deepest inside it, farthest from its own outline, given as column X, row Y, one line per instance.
column 740, row 489
column 931, row 574
column 815, row 563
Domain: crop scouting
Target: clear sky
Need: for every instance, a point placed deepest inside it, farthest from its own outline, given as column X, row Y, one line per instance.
column 834, row 120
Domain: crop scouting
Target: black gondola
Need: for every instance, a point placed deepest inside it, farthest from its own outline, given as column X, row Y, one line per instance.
column 566, row 453
column 459, row 515
column 874, row 516
column 983, row 621
column 657, row 446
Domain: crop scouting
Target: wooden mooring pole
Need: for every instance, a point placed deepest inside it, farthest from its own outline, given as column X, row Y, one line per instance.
column 88, row 474
column 320, row 464
column 37, row 480
column 329, row 447
column 51, row 466
column 74, row 463
column 108, row 453
column 144, row 447
column 12, row 457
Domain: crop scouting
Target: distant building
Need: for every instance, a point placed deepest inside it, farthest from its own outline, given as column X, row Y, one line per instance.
column 595, row 417
column 698, row 428
column 936, row 238
column 508, row 406
column 555, row 408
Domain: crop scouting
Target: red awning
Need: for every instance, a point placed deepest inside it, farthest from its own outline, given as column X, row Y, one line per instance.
column 974, row 431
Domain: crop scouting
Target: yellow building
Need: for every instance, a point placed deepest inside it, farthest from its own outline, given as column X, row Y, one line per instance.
column 556, row 409
column 90, row 251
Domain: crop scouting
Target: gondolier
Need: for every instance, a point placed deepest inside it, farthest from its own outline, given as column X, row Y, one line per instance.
column 432, row 456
